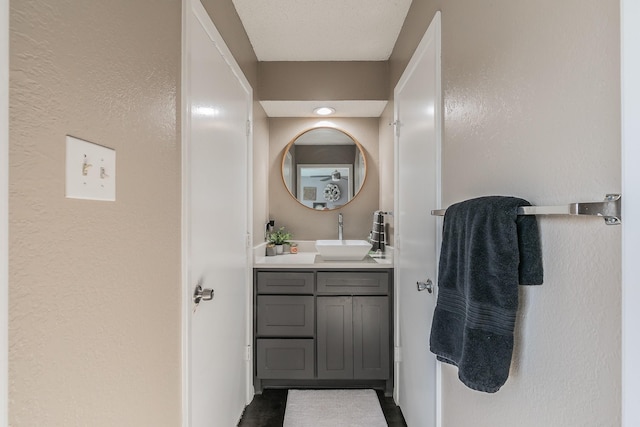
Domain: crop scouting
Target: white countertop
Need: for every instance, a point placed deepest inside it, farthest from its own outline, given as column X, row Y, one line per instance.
column 308, row 258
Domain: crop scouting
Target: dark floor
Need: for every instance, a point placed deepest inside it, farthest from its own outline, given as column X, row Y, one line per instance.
column 267, row 410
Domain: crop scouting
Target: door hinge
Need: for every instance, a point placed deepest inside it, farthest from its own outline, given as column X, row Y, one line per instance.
column 396, row 125
column 248, row 127
column 397, row 354
column 248, row 240
column 247, row 356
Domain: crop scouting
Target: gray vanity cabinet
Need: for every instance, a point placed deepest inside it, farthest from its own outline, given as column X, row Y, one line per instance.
column 285, row 325
column 285, row 316
column 285, row 282
column 323, row 328
column 353, row 337
column 371, row 338
column 335, row 337
column 352, row 282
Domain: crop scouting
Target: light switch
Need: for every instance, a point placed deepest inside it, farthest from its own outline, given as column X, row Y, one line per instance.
column 91, row 171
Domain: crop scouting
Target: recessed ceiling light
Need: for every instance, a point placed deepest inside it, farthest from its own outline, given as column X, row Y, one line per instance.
column 324, row 111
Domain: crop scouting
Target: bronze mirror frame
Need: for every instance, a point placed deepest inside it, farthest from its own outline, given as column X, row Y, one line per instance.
column 318, row 202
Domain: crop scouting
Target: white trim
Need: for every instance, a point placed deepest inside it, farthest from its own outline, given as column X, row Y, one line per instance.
column 185, row 120
column 4, row 213
column 201, row 15
column 432, row 35
column 437, row 22
column 397, row 345
column 250, row 243
column 630, row 68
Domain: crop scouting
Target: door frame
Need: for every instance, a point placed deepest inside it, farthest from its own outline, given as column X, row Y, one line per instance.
column 630, row 98
column 4, row 212
column 433, row 34
column 185, row 121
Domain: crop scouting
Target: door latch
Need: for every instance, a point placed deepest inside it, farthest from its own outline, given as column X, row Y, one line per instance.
column 428, row 286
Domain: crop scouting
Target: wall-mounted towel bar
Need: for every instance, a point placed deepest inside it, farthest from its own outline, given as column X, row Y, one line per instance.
column 610, row 209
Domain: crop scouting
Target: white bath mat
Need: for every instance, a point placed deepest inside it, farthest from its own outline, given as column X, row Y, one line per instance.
column 333, row 408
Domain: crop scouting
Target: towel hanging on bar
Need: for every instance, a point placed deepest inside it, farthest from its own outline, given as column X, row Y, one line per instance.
column 610, row 209
column 487, row 251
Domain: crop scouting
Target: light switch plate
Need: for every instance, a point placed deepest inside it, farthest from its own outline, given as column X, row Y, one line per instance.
column 90, row 171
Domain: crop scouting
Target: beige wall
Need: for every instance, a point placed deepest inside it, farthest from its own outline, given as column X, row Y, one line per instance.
column 224, row 16
column 95, row 286
column 260, row 172
column 386, row 169
column 325, row 80
column 531, row 102
column 305, row 223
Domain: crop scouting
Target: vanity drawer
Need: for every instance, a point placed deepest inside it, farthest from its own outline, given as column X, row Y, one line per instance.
column 285, row 316
column 353, row 283
column 284, row 358
column 277, row 282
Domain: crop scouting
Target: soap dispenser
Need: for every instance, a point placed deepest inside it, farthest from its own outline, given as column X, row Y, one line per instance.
column 268, row 229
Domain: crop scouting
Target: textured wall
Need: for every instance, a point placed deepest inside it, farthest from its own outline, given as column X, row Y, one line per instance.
column 224, row 16
column 386, row 170
column 95, row 286
column 332, row 80
column 4, row 209
column 305, row 223
column 531, row 102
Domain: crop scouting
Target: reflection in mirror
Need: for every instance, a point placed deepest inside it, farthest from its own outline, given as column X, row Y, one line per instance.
column 323, row 168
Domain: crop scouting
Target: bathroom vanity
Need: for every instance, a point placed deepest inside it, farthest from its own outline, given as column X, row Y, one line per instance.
column 323, row 324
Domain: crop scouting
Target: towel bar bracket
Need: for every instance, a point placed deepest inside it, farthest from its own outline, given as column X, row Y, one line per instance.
column 610, row 209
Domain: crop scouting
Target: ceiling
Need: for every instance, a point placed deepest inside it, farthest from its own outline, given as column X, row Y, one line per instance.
column 322, row 30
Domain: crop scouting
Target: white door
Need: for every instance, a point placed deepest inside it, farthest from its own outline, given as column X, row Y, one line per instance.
column 215, row 225
column 630, row 12
column 418, row 136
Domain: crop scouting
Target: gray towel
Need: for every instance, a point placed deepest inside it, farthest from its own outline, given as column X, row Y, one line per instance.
column 487, row 250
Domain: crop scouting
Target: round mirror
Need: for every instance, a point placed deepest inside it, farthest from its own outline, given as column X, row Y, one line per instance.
column 324, row 168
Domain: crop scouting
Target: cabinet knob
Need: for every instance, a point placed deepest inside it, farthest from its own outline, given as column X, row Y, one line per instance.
column 428, row 286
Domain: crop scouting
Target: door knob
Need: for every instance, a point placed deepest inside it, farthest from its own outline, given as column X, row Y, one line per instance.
column 428, row 286
column 201, row 294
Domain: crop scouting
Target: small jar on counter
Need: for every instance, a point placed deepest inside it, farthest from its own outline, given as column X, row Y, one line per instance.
column 294, row 248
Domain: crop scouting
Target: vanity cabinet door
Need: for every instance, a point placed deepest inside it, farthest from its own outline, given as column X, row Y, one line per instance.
column 335, row 338
column 353, row 338
column 353, row 282
column 371, row 338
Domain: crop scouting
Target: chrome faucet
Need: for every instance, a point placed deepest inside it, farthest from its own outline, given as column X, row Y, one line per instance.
column 340, row 227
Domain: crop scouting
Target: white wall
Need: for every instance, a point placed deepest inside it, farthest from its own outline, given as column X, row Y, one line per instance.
column 631, row 212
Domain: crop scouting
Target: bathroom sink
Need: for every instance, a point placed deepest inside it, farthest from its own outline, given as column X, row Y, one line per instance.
column 343, row 250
